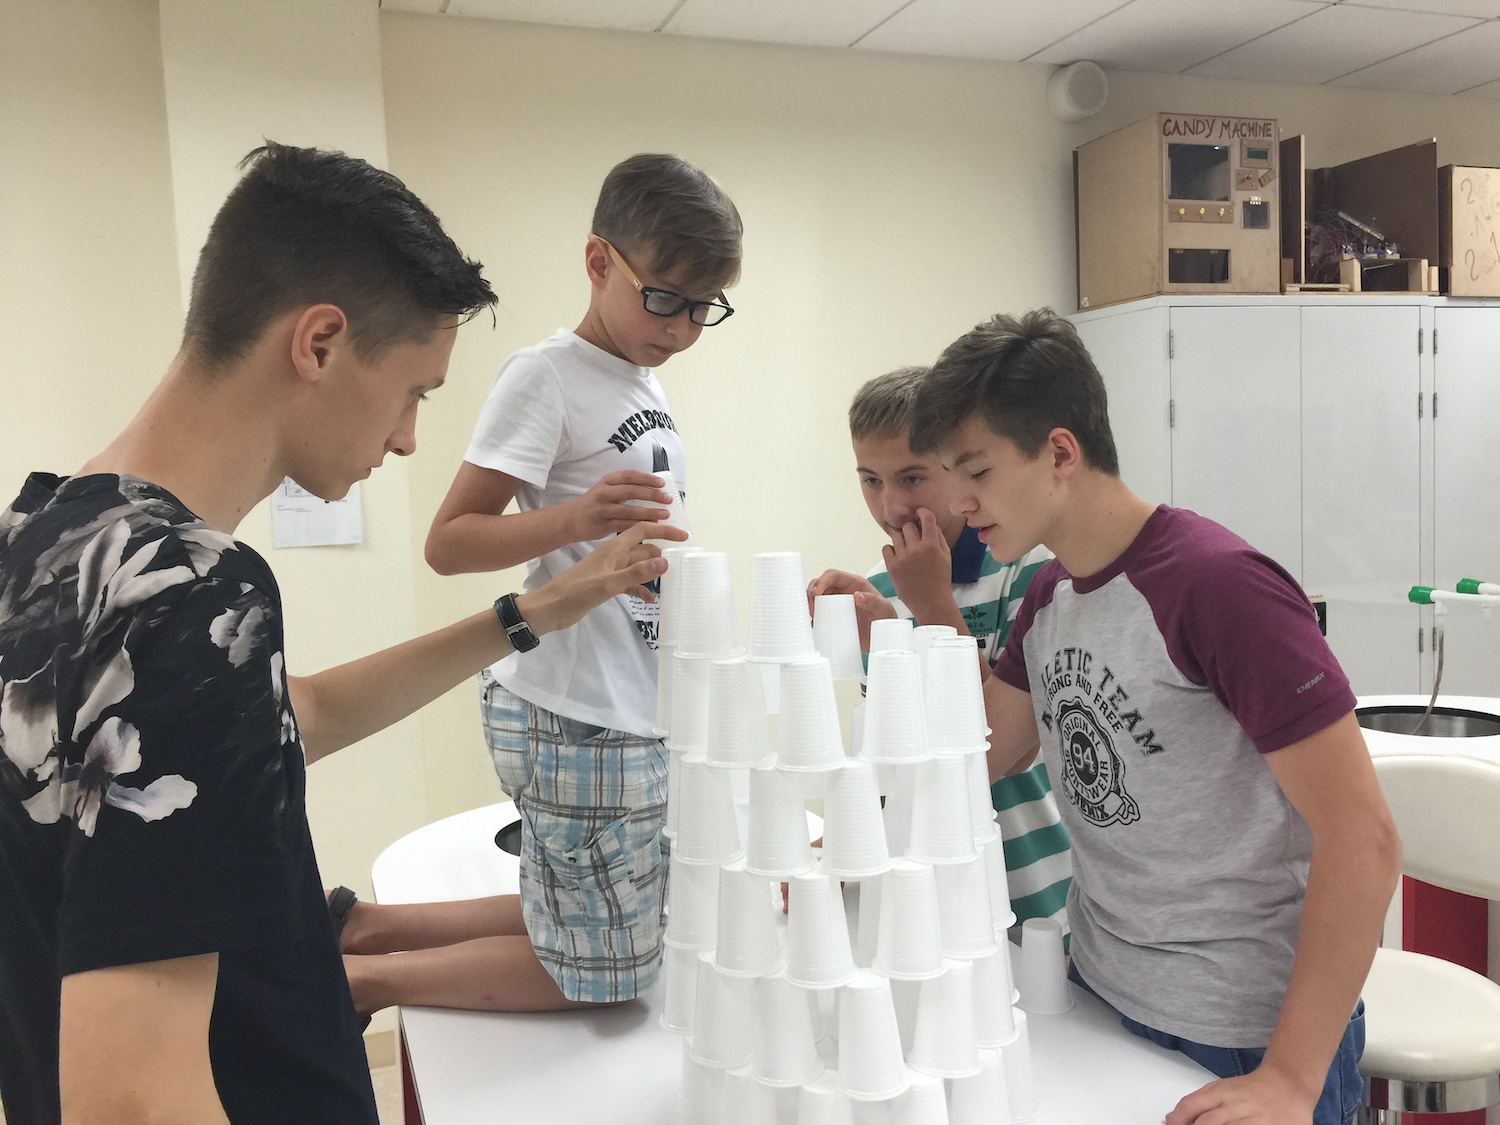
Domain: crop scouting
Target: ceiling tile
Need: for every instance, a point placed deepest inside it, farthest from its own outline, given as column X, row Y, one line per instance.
column 622, row 15
column 1470, row 58
column 986, row 29
column 1329, row 43
column 1488, row 90
column 827, row 23
column 430, row 6
column 1168, row 36
column 1483, row 9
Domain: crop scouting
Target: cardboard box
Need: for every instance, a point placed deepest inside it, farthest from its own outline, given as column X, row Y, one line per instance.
column 1469, row 229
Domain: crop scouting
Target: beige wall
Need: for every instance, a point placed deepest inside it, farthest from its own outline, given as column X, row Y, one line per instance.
column 890, row 203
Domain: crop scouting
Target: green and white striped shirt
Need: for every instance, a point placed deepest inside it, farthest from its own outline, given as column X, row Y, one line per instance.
column 1037, row 856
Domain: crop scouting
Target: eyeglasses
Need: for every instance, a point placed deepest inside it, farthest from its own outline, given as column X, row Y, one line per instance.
column 663, row 302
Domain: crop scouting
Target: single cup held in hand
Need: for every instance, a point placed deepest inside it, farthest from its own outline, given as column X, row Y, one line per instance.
column 836, row 635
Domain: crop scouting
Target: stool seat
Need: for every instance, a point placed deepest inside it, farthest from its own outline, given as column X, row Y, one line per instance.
column 1429, row 1020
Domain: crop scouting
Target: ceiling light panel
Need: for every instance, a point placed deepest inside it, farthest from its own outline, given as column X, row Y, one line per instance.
column 1168, row 36
column 826, row 23
column 1459, row 62
column 986, row 29
column 1331, row 42
column 621, row 15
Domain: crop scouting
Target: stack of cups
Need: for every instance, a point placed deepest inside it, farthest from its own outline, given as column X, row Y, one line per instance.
column 836, row 635
column 669, row 615
column 780, row 629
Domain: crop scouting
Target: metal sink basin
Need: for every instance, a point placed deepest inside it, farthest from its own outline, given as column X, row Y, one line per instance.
column 1445, row 722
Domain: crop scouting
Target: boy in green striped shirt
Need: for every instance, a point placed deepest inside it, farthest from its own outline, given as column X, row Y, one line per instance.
column 937, row 572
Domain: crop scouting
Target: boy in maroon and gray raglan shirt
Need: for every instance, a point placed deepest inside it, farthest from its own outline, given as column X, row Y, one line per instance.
column 1233, row 857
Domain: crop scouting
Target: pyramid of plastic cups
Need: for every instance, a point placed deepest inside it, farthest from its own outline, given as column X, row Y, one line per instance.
column 780, row 628
column 784, row 1052
column 706, row 828
column 871, row 1066
column 1020, row 1079
column 981, row 808
column 818, row 954
column 894, row 733
column 994, row 869
column 910, row 943
column 821, row 1102
column 692, row 904
column 891, row 633
column 867, row 921
column 701, row 1088
column 687, row 729
column 810, row 735
column 944, row 1044
column 924, row 1102
column 747, row 1101
column 964, row 912
column 954, row 696
column 994, row 1009
column 896, row 812
column 981, row 1098
column 854, row 844
column 738, row 734
column 674, row 791
column 836, row 635
column 941, row 825
column 723, row 1014
column 705, row 603
column 679, row 971
column 747, row 944
column 777, row 844
column 669, row 606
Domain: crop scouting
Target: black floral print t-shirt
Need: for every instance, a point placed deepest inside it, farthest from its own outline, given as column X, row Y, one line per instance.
column 152, row 798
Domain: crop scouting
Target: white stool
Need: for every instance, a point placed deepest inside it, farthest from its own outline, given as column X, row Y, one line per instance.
column 1432, row 1028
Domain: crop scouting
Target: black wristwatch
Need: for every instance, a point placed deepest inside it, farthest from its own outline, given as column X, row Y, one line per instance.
column 522, row 639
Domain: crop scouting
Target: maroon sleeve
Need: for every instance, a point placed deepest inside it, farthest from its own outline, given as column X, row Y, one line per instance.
column 1010, row 665
column 1246, row 631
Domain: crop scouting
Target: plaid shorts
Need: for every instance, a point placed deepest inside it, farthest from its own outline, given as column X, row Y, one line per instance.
column 593, row 857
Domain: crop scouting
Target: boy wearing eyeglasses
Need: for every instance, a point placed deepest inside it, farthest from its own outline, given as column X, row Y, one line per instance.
column 570, row 442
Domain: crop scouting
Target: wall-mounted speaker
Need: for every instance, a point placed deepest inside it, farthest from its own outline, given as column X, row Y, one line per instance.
column 1077, row 90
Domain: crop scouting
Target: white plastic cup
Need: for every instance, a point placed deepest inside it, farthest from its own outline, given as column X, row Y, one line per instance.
column 964, row 912
column 747, row 944
column 1019, row 1076
column 941, row 823
column 910, row 945
column 701, row 1088
column 665, row 669
column 687, row 727
column 777, row 844
column 738, row 733
column 981, row 805
column 994, row 869
column 706, row 627
column 692, row 904
column 906, row 996
column 900, row 791
column 867, row 921
column 923, row 635
column 723, row 1015
column 894, row 732
column 706, row 827
column 888, row 633
column 836, row 635
column 994, row 1008
column 854, row 844
column 674, row 792
column 811, row 738
column 780, row 628
column 818, row 954
column 746, row 1100
column 668, row 605
column 679, row 971
column 856, row 728
column 945, row 1043
column 785, row 1051
column 819, row 1102
column 871, row 1066
column 981, row 1098
column 954, row 696
column 924, row 1102
column 1042, row 973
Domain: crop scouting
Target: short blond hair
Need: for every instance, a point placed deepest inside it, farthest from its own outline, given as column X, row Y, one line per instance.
column 882, row 407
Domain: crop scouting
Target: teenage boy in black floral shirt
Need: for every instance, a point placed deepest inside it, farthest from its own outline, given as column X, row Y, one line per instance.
column 165, row 949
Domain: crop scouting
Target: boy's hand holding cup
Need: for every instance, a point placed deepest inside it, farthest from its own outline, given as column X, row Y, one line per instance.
column 869, row 603
column 617, row 502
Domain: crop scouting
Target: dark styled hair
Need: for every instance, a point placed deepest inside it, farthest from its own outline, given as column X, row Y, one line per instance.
column 882, row 407
column 670, row 216
column 1025, row 377
column 306, row 225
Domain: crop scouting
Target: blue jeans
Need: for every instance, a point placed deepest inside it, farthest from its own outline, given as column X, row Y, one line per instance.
column 1342, row 1089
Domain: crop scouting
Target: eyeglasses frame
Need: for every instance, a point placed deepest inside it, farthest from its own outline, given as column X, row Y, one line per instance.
column 688, row 304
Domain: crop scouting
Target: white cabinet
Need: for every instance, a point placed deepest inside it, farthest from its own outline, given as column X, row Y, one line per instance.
column 1306, row 425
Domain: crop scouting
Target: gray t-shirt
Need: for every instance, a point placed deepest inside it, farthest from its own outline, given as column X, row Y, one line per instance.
column 1157, row 684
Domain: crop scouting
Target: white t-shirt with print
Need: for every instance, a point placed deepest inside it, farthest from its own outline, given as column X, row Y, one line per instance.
column 560, row 416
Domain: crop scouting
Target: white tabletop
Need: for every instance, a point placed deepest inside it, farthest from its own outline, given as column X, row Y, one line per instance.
column 618, row 1065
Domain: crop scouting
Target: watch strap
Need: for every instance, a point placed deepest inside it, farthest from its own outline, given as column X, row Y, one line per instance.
column 522, row 639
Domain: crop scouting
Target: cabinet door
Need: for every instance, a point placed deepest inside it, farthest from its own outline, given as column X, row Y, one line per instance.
column 1130, row 351
column 1466, row 477
column 1236, row 436
column 1361, row 471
